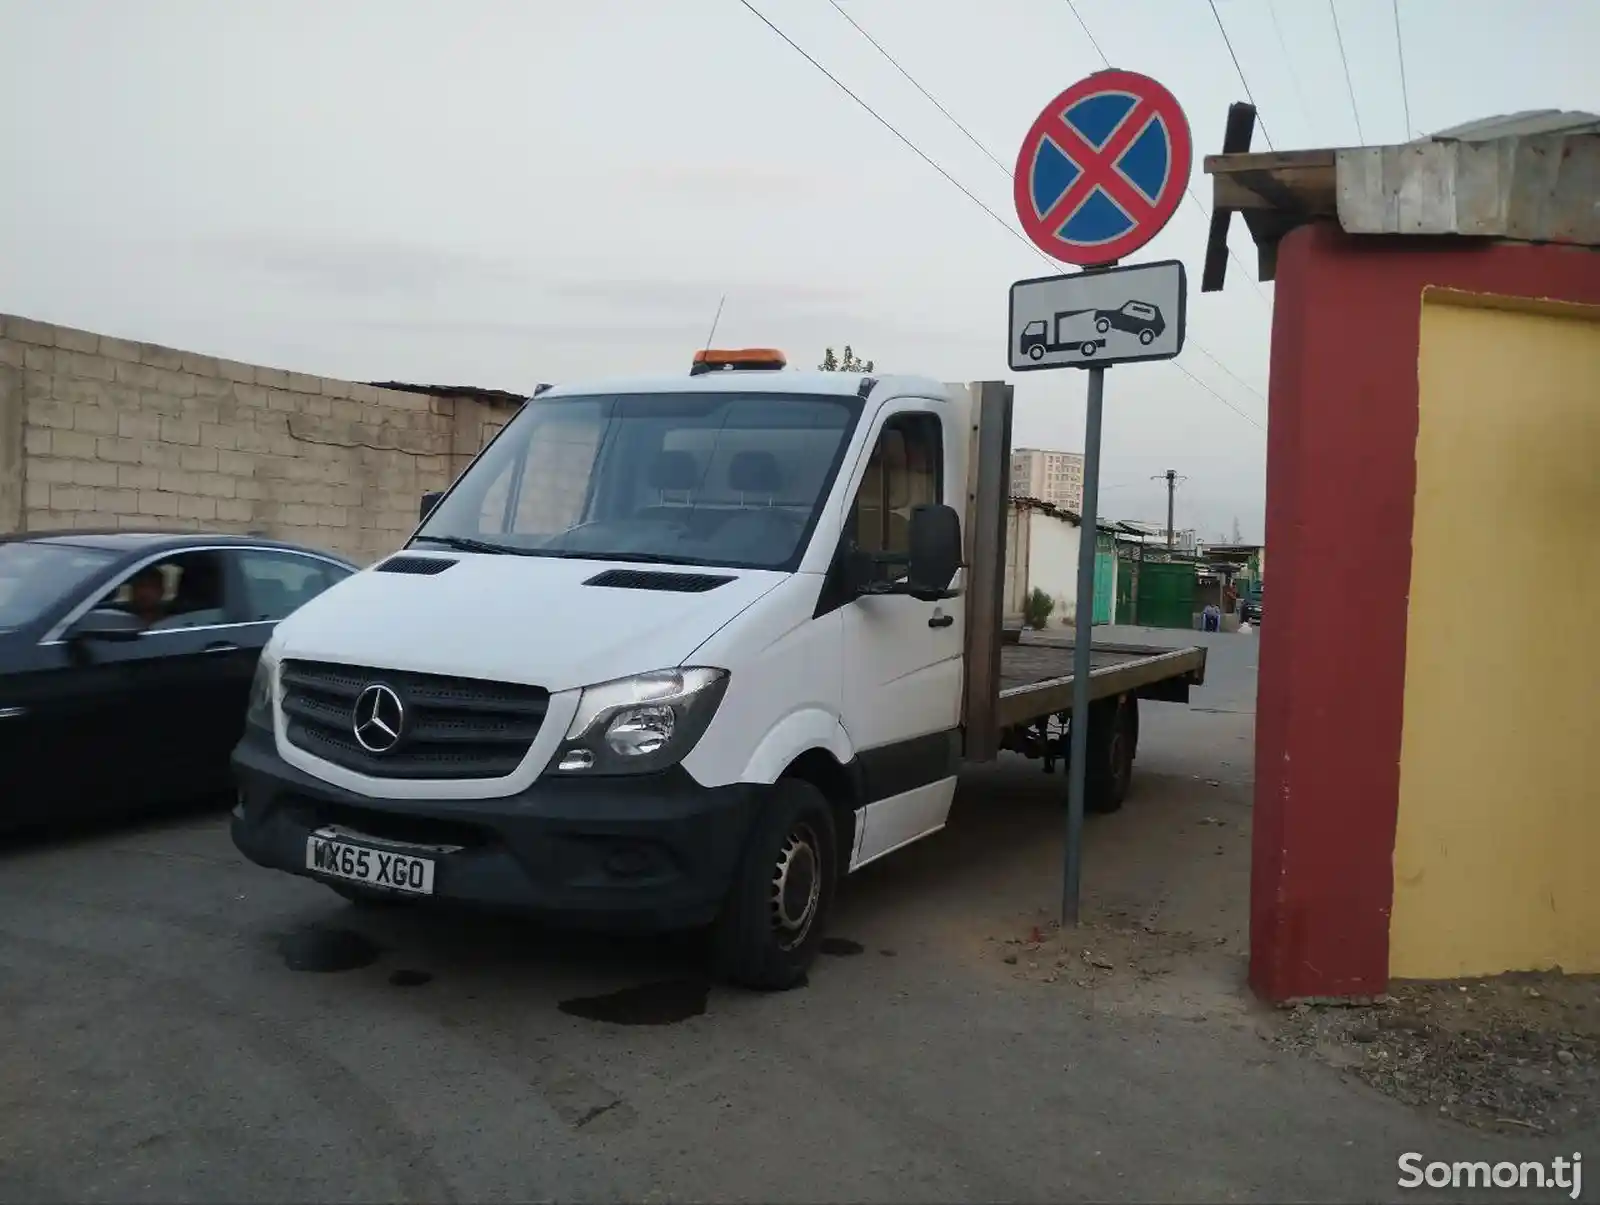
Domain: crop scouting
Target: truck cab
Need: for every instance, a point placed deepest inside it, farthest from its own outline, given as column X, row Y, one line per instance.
column 669, row 653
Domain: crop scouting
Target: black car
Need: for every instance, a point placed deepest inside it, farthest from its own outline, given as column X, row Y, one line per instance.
column 126, row 660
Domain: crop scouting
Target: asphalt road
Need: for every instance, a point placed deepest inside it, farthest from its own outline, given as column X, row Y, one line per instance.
column 177, row 1025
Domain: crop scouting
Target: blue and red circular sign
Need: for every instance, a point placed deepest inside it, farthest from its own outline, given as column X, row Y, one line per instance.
column 1103, row 168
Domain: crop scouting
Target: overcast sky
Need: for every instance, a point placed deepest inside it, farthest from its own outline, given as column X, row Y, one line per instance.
column 502, row 193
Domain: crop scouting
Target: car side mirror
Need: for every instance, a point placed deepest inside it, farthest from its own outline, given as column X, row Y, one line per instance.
column 105, row 625
column 429, row 501
column 935, row 551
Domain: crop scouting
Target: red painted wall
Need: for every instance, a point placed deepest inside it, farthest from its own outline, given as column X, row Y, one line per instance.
column 1341, row 473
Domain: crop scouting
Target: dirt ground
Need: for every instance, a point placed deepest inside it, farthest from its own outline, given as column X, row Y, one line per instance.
column 1164, row 931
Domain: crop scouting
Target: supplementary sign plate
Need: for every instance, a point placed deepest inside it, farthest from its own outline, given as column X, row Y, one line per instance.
column 1103, row 168
column 1094, row 318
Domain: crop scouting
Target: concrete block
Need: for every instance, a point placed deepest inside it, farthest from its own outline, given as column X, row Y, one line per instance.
column 160, row 357
column 72, row 339
column 232, row 370
column 119, row 349
column 95, row 420
column 92, row 368
column 153, row 401
column 332, row 516
column 50, row 471
column 201, row 409
column 71, row 498
column 116, row 502
column 139, row 426
column 234, row 510
column 138, row 477
column 197, row 508
column 158, row 504
column 48, row 412
column 37, row 359
column 75, row 444
column 79, row 392
column 215, row 435
column 12, row 354
column 319, row 406
column 200, row 366
column 179, row 431
column 251, row 395
column 301, row 382
column 94, row 472
column 118, row 450
column 36, row 495
column 141, row 376
column 273, row 378
column 35, row 441
column 176, row 481
column 178, row 384
column 213, row 388
column 283, row 401
column 158, row 455
column 236, row 464
column 25, row 330
column 198, row 459
column 216, row 485
column 332, row 387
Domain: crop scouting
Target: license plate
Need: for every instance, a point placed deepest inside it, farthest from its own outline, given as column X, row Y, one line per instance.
column 375, row 867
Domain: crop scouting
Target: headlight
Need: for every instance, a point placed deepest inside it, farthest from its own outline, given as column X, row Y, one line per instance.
column 263, row 693
column 635, row 725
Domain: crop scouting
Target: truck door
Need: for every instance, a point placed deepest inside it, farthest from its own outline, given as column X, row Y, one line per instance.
column 902, row 658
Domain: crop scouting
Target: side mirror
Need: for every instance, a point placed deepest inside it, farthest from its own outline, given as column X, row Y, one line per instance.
column 935, row 551
column 105, row 624
column 429, row 501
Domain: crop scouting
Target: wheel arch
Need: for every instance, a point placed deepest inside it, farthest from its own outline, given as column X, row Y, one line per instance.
column 839, row 784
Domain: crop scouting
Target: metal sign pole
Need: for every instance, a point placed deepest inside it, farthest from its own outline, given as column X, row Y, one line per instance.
column 1077, row 765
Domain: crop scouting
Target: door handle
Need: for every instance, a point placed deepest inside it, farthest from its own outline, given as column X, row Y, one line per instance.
column 941, row 621
column 221, row 646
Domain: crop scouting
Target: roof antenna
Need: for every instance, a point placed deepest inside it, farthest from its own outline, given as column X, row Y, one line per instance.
column 712, row 333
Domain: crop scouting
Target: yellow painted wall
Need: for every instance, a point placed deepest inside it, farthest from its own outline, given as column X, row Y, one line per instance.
column 1497, row 852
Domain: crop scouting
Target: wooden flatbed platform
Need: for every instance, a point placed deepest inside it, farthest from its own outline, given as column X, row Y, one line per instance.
column 1036, row 675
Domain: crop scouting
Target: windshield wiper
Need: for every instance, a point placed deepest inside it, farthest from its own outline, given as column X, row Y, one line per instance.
column 630, row 558
column 463, row 544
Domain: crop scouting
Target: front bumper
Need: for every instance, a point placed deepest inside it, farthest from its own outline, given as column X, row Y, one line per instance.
column 653, row 852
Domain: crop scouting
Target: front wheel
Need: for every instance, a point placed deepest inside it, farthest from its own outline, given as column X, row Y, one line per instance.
column 1147, row 336
column 1103, row 325
column 773, row 918
column 1036, row 352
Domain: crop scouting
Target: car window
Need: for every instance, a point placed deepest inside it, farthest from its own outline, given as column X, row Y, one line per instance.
column 35, row 575
column 903, row 472
column 278, row 583
column 183, row 590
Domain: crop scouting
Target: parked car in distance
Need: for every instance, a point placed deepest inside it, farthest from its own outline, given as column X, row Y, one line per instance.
column 126, row 660
column 1250, row 608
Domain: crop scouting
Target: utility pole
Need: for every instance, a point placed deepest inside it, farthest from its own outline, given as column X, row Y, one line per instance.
column 1171, row 478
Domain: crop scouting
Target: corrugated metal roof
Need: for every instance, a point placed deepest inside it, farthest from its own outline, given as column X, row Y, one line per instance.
column 1525, row 124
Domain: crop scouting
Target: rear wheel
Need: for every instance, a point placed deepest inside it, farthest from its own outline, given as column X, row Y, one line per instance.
column 772, row 921
column 1113, row 731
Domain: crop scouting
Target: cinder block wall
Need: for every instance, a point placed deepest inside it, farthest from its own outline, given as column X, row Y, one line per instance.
column 102, row 432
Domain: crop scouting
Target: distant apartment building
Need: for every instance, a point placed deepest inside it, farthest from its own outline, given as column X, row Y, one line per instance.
column 1053, row 477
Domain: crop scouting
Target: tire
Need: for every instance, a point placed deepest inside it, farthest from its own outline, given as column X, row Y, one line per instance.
column 768, row 933
column 1113, row 734
column 1089, row 348
column 365, row 897
column 1036, row 352
column 1103, row 325
column 1147, row 336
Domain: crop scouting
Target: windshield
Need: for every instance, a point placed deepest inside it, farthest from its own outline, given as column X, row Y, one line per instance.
column 732, row 479
column 35, row 575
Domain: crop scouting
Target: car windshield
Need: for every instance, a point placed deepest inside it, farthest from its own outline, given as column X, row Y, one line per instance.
column 693, row 478
column 35, row 574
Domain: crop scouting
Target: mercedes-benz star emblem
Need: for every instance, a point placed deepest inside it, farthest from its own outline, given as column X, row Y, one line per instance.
column 378, row 718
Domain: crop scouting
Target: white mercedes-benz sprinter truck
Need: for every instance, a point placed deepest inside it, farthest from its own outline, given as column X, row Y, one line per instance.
column 672, row 653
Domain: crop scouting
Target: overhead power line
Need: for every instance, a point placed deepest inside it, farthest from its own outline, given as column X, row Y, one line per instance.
column 1400, row 48
column 990, row 155
column 1294, row 77
column 1249, row 95
column 1188, row 191
column 921, row 154
column 1333, row 11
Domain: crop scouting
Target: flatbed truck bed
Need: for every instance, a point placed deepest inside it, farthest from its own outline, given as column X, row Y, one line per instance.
column 1036, row 675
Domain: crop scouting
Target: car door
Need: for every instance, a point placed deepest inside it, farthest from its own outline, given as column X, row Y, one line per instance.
column 903, row 657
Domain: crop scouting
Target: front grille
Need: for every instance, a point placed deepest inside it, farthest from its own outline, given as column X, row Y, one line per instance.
column 453, row 727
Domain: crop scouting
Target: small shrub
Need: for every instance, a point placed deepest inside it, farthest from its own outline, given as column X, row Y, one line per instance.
column 1036, row 611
